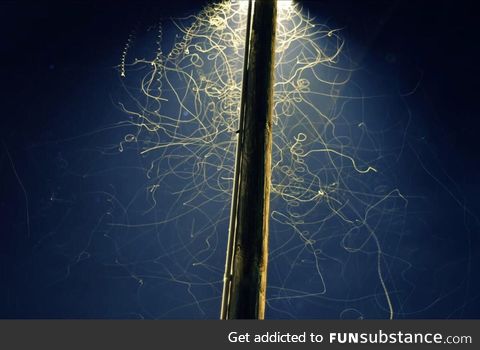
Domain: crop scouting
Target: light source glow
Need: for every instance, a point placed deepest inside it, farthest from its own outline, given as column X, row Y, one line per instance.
column 325, row 182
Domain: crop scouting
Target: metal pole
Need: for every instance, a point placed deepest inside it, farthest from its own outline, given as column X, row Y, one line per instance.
column 246, row 267
column 227, row 278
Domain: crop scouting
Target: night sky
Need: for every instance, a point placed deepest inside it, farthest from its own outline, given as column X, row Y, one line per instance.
column 63, row 179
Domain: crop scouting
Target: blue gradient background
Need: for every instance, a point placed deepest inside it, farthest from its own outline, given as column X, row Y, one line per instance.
column 58, row 93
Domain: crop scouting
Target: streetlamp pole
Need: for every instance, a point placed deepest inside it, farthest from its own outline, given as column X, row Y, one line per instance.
column 247, row 250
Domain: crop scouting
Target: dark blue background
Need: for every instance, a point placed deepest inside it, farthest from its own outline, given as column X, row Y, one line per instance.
column 58, row 85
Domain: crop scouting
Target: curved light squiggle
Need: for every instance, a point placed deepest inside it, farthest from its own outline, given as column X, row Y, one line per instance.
column 185, row 118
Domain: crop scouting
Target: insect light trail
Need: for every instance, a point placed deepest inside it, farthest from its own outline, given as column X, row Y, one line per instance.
column 325, row 184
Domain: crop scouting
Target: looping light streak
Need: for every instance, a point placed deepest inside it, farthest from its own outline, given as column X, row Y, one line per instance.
column 186, row 114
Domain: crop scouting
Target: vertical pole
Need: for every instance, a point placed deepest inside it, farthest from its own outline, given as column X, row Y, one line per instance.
column 247, row 273
column 227, row 279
